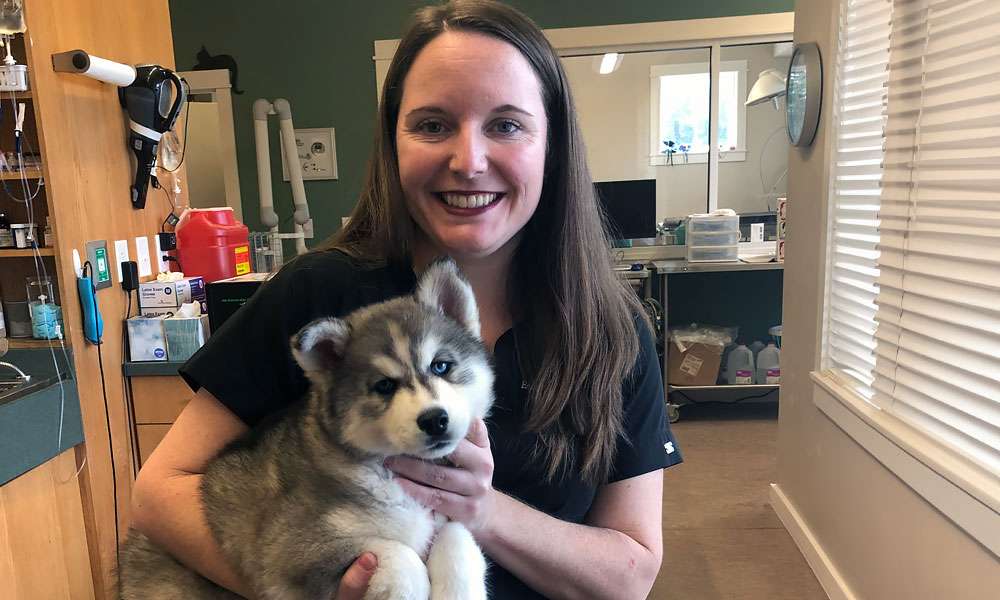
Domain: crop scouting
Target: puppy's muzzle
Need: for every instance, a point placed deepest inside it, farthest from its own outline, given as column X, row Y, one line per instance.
column 433, row 422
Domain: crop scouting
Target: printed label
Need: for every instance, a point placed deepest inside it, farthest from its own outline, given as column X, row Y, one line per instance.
column 744, row 377
column 242, row 259
column 691, row 365
column 773, row 376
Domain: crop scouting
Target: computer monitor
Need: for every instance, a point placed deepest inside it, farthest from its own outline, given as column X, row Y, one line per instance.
column 630, row 207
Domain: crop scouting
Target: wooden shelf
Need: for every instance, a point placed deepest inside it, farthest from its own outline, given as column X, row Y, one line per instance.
column 30, row 343
column 25, row 252
column 31, row 172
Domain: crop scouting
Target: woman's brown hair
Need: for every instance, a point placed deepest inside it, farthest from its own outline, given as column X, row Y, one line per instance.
column 582, row 319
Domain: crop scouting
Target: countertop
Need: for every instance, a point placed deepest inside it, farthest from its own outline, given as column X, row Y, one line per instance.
column 41, row 418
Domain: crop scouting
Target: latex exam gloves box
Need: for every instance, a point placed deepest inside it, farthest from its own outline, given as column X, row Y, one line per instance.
column 171, row 294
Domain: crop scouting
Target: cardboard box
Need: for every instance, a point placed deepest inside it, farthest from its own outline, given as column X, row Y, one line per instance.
column 146, row 341
column 171, row 294
column 696, row 364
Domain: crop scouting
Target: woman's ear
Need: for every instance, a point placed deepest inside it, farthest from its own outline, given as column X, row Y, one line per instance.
column 318, row 346
column 443, row 288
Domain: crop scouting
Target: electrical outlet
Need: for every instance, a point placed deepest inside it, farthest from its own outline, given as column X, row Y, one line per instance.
column 121, row 255
column 317, row 153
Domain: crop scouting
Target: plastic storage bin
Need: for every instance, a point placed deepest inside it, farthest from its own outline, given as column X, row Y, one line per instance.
column 713, row 253
column 714, row 238
column 712, row 223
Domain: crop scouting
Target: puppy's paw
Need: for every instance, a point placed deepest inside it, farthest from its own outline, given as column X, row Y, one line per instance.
column 456, row 566
column 401, row 575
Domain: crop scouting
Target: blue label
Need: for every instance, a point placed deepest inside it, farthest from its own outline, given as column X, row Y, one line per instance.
column 159, row 353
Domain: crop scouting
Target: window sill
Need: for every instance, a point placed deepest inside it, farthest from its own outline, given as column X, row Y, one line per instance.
column 693, row 158
column 964, row 492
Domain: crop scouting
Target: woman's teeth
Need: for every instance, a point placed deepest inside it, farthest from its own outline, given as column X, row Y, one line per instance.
column 469, row 200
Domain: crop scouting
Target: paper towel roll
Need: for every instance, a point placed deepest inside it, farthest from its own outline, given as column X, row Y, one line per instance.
column 102, row 69
column 110, row 71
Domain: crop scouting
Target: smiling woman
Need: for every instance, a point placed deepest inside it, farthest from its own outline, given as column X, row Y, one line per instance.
column 477, row 156
column 471, row 144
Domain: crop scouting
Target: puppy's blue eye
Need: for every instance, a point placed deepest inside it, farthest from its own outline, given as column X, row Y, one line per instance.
column 385, row 387
column 440, row 367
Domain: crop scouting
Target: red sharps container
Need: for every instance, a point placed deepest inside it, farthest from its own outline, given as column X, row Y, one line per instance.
column 212, row 243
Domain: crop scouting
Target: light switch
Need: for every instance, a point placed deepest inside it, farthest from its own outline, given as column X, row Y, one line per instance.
column 142, row 256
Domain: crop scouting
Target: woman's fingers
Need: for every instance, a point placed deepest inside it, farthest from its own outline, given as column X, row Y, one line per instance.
column 354, row 583
column 453, row 479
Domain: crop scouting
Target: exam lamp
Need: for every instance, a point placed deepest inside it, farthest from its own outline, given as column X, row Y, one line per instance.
column 770, row 85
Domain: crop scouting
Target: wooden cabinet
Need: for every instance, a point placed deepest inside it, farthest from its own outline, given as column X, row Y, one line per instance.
column 156, row 402
column 43, row 540
column 77, row 125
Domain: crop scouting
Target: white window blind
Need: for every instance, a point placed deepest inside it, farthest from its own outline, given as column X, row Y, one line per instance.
column 859, row 122
column 920, row 266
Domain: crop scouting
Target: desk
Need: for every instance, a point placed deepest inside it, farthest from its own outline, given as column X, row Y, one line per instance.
column 661, row 270
column 639, row 280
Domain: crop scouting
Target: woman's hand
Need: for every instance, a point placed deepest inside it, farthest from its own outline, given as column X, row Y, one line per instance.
column 354, row 583
column 462, row 491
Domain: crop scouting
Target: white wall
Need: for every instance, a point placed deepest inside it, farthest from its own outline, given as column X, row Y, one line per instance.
column 881, row 540
column 614, row 115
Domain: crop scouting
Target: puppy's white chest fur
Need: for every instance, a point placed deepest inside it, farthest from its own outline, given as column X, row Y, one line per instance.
column 393, row 515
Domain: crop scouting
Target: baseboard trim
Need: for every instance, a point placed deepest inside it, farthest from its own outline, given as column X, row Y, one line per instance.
column 824, row 569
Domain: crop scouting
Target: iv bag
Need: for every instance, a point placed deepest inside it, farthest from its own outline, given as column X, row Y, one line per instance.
column 11, row 17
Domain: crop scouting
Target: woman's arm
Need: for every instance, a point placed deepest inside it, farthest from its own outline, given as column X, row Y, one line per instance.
column 166, row 499
column 616, row 554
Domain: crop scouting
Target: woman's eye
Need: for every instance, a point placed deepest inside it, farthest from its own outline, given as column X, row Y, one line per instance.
column 440, row 367
column 507, row 126
column 385, row 387
column 431, row 127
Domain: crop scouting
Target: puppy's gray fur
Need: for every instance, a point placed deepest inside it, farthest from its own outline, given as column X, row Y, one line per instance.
column 297, row 499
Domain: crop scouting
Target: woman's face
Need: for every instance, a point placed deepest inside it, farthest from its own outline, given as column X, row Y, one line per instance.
column 471, row 138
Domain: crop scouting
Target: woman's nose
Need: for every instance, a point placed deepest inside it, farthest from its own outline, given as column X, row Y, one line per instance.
column 469, row 154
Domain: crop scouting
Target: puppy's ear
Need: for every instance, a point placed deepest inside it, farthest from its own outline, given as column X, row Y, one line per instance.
column 320, row 345
column 442, row 287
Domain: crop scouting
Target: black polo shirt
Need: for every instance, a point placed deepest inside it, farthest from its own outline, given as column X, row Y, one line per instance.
column 248, row 366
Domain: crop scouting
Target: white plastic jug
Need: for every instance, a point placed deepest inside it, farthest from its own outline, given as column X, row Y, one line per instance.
column 740, row 365
column 769, row 365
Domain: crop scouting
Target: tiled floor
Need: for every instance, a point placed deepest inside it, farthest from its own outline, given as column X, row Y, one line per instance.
column 721, row 539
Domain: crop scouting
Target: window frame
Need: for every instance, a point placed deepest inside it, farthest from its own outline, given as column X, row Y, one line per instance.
column 656, row 74
column 962, row 490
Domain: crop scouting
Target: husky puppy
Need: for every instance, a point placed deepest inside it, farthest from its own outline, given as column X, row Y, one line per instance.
column 294, row 501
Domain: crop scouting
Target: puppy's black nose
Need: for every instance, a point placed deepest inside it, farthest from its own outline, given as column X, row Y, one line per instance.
column 433, row 421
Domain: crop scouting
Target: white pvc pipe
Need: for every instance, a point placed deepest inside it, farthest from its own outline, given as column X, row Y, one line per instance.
column 269, row 218
column 284, row 111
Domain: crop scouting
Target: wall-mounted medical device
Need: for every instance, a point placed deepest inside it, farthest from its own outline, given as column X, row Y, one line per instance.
column 151, row 95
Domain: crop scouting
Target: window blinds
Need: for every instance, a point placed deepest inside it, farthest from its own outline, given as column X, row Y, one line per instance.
column 859, row 121
column 921, row 218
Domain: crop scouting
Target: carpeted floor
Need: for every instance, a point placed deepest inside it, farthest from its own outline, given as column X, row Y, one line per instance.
column 721, row 539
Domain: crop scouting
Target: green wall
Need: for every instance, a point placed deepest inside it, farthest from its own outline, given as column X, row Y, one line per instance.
column 318, row 55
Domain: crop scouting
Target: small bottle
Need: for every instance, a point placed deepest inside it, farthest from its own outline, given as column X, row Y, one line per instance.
column 6, row 235
column 47, row 236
